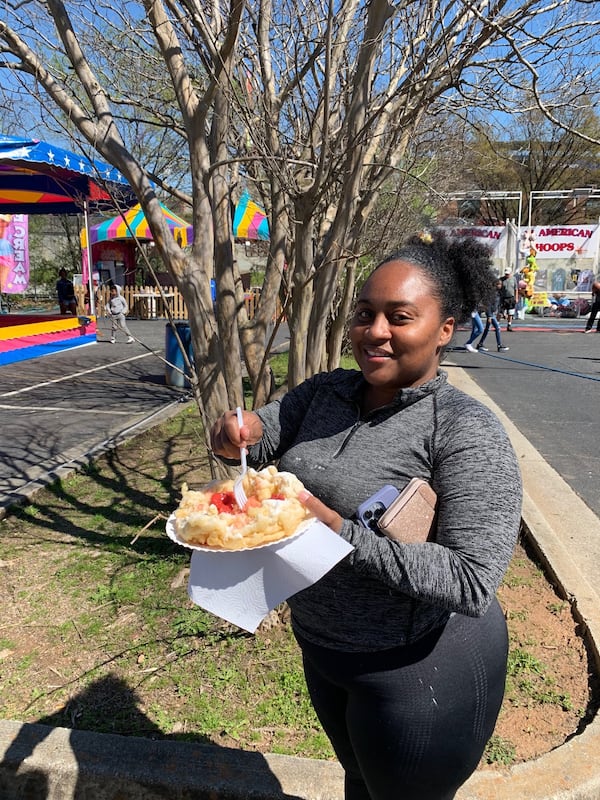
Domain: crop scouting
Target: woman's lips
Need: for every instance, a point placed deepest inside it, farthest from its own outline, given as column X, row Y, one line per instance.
column 374, row 353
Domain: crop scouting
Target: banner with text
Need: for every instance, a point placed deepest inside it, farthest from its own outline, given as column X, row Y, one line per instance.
column 562, row 241
column 495, row 237
column 14, row 253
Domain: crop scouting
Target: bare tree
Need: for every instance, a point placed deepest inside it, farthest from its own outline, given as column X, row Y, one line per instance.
column 532, row 155
column 314, row 106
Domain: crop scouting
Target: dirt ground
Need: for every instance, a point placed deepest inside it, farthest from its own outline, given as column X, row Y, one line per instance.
column 542, row 708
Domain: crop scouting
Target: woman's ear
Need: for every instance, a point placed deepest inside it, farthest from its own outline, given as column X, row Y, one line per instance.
column 446, row 331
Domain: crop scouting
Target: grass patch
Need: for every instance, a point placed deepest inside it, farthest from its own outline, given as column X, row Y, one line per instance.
column 500, row 751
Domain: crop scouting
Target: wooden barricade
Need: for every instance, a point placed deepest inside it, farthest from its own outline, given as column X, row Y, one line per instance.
column 146, row 302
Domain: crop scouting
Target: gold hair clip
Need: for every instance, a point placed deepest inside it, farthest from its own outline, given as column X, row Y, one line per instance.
column 425, row 237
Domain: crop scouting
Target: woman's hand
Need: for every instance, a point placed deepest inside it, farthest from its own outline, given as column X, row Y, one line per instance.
column 322, row 512
column 226, row 436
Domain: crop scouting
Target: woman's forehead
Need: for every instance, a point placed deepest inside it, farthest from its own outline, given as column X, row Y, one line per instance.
column 396, row 275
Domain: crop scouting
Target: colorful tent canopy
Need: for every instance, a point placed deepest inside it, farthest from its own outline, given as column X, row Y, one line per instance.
column 250, row 220
column 39, row 178
column 134, row 223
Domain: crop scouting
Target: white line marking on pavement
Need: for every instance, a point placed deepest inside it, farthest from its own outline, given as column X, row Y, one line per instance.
column 74, row 375
column 70, row 409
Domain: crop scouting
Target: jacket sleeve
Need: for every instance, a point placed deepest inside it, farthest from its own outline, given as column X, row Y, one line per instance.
column 478, row 482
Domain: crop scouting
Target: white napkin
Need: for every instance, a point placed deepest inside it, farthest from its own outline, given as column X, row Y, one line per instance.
column 242, row 587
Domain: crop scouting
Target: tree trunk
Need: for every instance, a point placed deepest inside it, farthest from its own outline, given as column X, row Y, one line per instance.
column 337, row 329
column 302, row 296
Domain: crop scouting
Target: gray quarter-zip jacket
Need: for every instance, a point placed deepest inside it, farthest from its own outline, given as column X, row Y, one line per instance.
column 386, row 593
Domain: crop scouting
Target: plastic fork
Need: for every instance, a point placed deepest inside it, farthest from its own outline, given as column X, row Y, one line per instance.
column 238, row 487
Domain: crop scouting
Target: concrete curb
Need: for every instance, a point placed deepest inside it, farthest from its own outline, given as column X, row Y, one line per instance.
column 42, row 763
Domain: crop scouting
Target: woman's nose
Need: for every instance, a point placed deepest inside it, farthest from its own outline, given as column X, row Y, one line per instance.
column 379, row 327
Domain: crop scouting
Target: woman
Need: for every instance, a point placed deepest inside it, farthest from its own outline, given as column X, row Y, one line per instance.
column 404, row 645
column 476, row 330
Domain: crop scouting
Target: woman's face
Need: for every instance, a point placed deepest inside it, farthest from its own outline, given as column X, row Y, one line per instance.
column 397, row 331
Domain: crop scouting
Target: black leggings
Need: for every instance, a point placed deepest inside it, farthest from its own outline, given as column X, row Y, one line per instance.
column 412, row 723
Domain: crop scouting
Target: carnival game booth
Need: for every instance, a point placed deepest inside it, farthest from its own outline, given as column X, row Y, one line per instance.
column 556, row 264
column 113, row 243
column 40, row 178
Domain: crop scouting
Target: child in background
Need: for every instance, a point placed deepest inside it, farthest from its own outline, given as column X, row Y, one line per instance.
column 117, row 308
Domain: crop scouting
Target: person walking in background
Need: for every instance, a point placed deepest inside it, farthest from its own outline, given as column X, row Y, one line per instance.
column 476, row 330
column 117, row 308
column 404, row 645
column 65, row 293
column 594, row 309
column 509, row 296
column 491, row 314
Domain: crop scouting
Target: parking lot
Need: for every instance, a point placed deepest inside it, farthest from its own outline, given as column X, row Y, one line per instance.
column 60, row 409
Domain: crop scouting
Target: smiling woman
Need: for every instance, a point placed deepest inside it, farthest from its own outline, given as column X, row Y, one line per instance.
column 403, row 643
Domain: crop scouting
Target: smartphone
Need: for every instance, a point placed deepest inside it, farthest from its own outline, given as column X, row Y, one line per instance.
column 371, row 511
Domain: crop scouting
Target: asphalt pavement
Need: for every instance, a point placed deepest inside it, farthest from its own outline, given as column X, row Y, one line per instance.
column 61, row 409
column 548, row 385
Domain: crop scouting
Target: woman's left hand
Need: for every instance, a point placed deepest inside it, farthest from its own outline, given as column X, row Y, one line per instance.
column 322, row 512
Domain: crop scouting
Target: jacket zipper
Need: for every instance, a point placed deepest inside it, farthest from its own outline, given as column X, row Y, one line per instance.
column 349, row 435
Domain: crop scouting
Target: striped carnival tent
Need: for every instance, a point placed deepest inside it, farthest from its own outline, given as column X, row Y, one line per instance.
column 133, row 223
column 40, row 178
column 250, row 220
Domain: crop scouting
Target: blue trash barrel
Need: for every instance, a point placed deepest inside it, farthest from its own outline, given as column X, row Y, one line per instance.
column 174, row 355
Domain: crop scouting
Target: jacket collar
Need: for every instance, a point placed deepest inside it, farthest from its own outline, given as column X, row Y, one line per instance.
column 352, row 384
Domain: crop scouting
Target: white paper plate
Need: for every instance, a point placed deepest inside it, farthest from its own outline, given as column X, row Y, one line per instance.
column 172, row 534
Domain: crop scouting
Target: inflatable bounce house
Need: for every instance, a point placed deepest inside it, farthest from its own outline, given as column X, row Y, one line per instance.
column 24, row 336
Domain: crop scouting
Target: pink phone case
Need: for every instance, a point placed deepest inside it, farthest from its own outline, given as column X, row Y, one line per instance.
column 411, row 516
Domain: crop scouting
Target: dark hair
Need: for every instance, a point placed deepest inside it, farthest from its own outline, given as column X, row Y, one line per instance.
column 459, row 270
